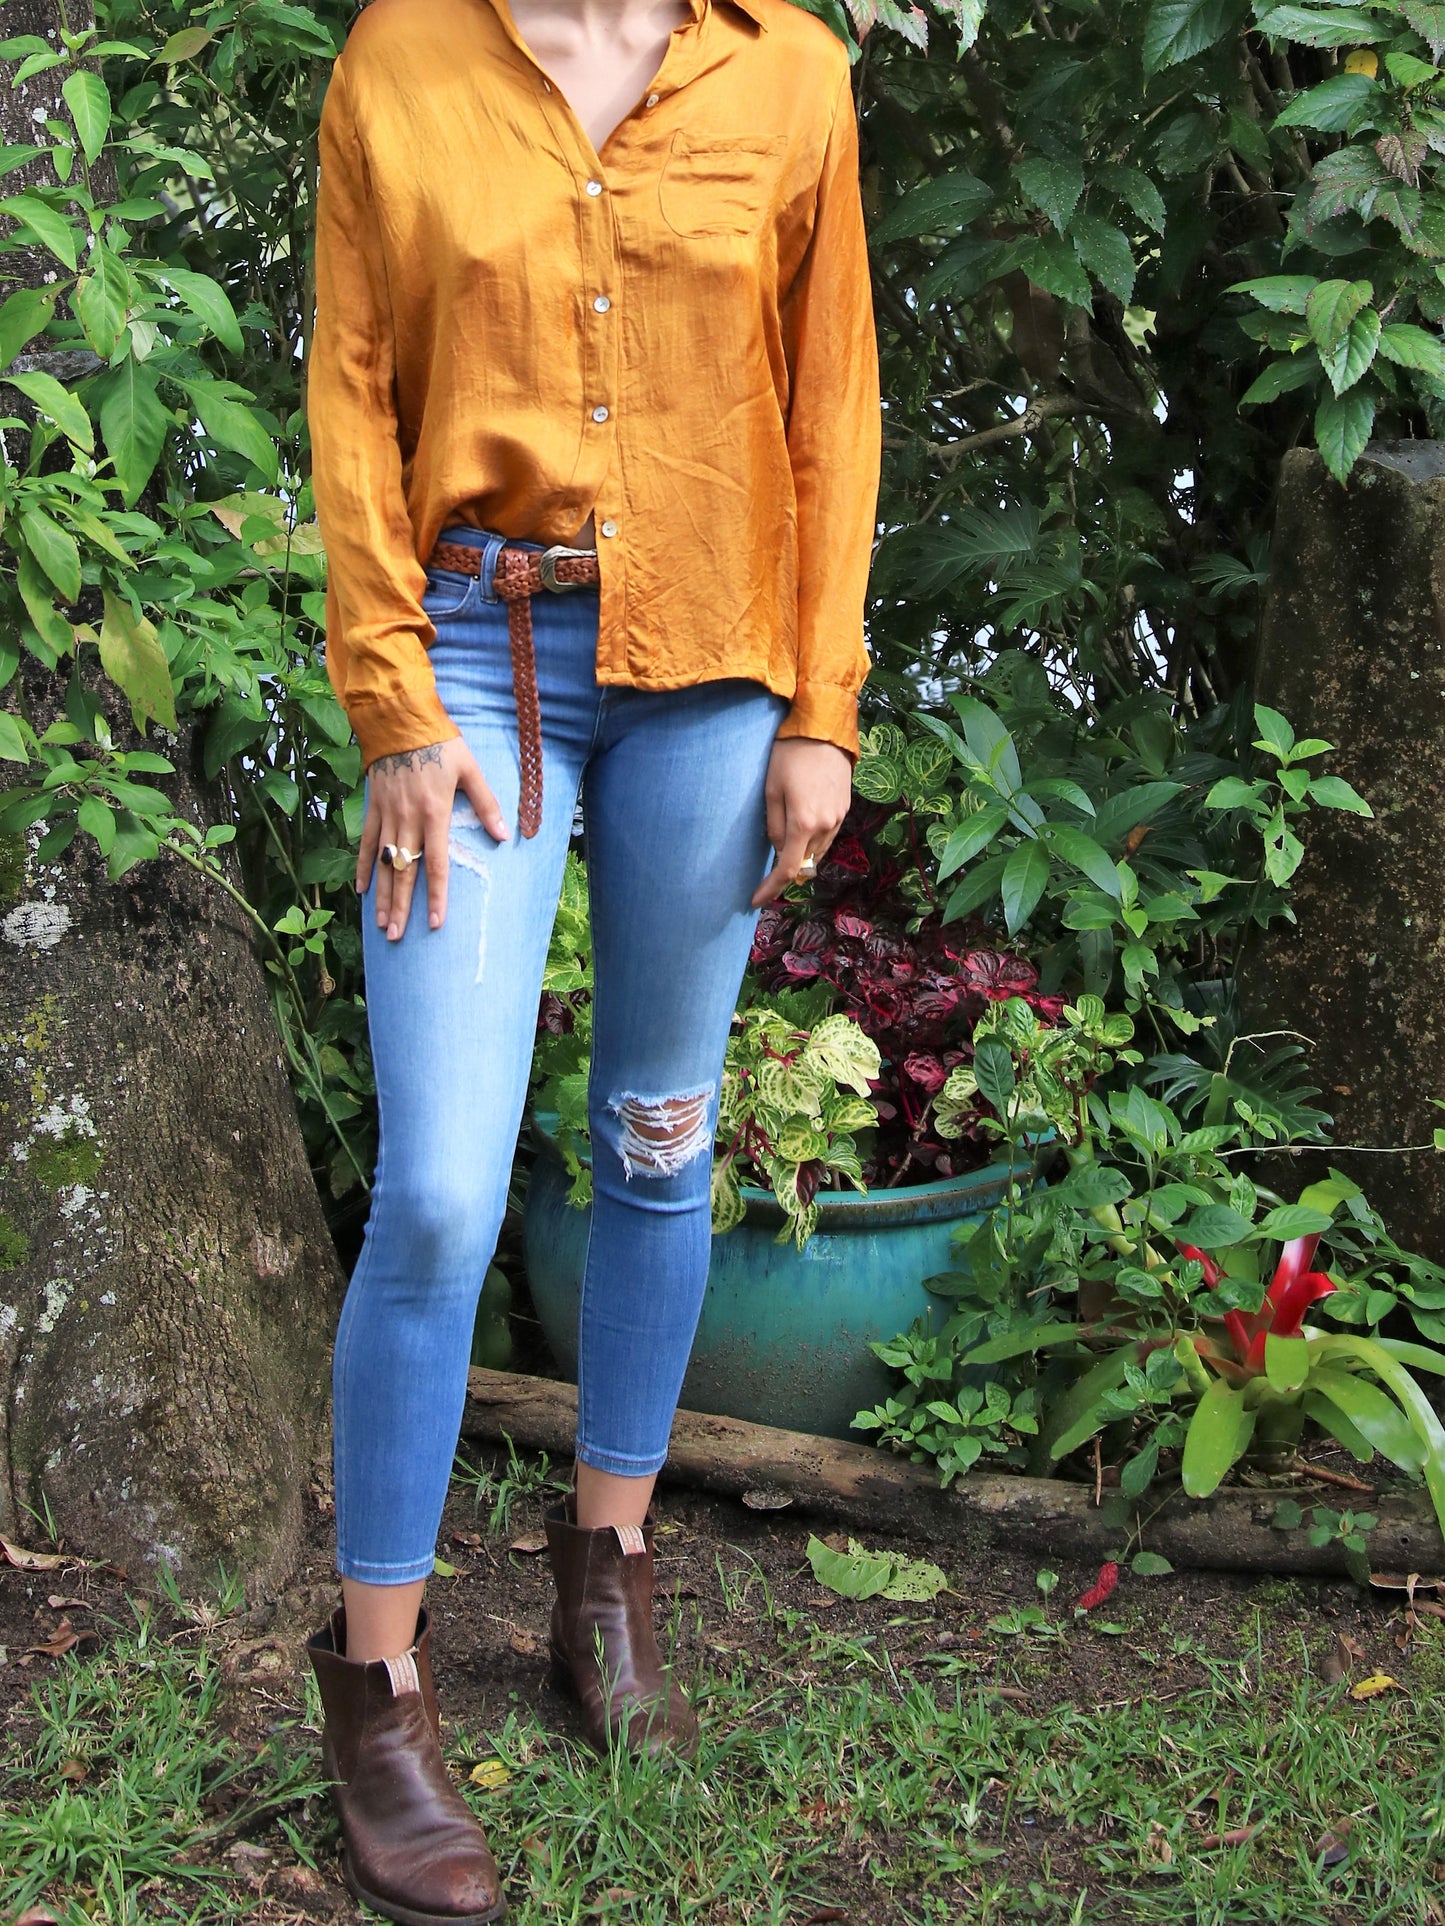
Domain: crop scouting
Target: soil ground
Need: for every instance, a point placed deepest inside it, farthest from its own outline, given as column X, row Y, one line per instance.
column 1189, row 1750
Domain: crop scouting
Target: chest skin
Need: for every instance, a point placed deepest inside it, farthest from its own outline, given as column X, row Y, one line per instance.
column 602, row 68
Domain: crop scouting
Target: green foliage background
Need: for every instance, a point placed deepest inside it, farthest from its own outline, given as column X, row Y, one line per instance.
column 1126, row 254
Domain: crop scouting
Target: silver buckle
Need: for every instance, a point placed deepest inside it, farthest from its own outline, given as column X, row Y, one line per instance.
column 547, row 566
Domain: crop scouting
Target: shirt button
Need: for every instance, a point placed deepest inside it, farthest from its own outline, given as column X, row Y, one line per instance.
column 599, row 413
column 609, row 528
column 594, row 187
column 652, row 99
column 602, row 304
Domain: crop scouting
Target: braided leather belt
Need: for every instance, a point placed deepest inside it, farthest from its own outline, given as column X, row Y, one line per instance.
column 520, row 573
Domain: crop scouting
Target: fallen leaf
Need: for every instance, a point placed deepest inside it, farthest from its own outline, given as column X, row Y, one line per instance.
column 62, row 1640
column 443, row 1569
column 767, row 1498
column 822, row 1601
column 1429, row 1607
column 59, row 1604
column 535, row 1844
column 303, row 1879
column 1374, row 1685
column 1158, row 1852
column 825, row 1914
column 1354, row 1648
column 1212, row 1841
column 471, row 1539
column 489, row 1774
column 247, row 1849
column 34, row 1561
column 74, row 1770
column 1338, row 1660
column 1332, row 1848
column 526, row 1644
column 530, row 1543
column 37, row 1916
column 1410, row 1582
column 1011, row 1693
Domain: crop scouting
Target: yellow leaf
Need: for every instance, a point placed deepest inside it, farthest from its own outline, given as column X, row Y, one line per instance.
column 443, row 1569
column 489, row 1774
column 1376, row 1683
column 1362, row 61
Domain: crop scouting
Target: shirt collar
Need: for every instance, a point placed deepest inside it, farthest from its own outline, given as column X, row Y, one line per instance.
column 754, row 9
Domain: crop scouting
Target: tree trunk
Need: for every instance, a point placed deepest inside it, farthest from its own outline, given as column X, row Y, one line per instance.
column 168, row 1287
column 1353, row 649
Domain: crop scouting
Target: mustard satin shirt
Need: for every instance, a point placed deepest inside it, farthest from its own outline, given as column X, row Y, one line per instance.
column 513, row 331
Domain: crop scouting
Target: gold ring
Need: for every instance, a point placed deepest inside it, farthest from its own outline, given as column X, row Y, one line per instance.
column 808, row 866
column 396, row 856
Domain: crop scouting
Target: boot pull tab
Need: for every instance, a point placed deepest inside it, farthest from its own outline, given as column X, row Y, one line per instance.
column 630, row 1538
column 403, row 1674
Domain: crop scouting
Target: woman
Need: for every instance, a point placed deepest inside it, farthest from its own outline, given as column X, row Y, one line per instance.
column 594, row 410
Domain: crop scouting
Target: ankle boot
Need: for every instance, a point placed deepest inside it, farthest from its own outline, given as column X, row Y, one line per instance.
column 412, row 1848
column 604, row 1649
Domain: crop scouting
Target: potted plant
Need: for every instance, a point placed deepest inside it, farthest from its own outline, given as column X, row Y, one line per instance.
column 835, row 1191
column 1159, row 1303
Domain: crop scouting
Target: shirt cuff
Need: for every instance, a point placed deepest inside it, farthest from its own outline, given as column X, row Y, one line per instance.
column 402, row 722
column 825, row 712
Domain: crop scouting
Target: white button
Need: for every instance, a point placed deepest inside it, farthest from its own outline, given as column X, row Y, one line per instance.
column 652, row 99
column 599, row 413
column 609, row 528
column 594, row 187
column 602, row 304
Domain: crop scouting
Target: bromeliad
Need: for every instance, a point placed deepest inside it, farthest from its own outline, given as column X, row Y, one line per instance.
column 1293, row 1289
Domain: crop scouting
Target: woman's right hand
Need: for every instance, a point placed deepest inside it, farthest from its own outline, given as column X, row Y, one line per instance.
column 409, row 803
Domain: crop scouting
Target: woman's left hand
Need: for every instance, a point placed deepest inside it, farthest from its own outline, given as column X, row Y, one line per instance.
column 809, row 787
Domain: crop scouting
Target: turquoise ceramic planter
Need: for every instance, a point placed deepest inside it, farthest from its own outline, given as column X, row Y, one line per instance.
column 784, row 1334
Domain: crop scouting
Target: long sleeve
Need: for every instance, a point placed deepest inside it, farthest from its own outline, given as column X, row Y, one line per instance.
column 834, row 444
column 377, row 633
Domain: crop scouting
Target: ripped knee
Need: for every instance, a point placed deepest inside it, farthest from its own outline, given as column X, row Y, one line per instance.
column 661, row 1135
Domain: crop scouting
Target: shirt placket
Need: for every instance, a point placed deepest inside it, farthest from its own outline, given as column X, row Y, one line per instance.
column 601, row 356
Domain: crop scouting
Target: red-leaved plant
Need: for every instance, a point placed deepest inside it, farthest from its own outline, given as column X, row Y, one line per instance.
column 1292, row 1290
column 912, row 985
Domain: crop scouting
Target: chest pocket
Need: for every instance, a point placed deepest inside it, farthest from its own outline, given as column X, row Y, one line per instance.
column 718, row 186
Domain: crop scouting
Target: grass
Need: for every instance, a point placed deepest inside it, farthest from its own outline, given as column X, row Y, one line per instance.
column 841, row 1777
column 858, row 1765
column 116, row 1788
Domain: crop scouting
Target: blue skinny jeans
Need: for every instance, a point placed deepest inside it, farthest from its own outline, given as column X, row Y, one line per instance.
column 676, row 842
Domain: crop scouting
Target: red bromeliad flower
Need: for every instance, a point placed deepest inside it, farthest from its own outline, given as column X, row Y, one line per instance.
column 1293, row 1288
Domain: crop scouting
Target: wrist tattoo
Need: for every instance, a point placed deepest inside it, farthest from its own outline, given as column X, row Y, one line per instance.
column 407, row 759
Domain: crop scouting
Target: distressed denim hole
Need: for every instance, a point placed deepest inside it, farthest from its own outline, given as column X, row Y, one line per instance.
column 662, row 1135
column 466, row 850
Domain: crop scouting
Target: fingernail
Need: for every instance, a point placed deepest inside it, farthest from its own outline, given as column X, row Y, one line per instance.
column 435, row 920
column 394, row 931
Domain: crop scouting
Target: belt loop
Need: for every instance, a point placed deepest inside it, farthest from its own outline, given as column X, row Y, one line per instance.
column 494, row 546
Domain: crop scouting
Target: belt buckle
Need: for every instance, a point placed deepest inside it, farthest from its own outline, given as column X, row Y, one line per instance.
column 547, row 566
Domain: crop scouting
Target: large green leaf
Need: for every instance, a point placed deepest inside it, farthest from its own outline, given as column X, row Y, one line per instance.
column 49, row 227
column 993, row 1070
column 1342, row 429
column 102, row 299
column 1025, row 877
column 133, row 421
column 89, row 102
column 1374, row 1414
column 1218, row 1436
column 55, row 549
column 208, row 301
column 1052, row 186
column 59, row 404
column 1084, row 1407
column 22, row 317
column 1178, row 29
column 1330, row 107
column 1086, row 855
column 232, row 425
column 1327, row 26
column 974, row 833
column 1353, row 354
column 940, row 205
column 1331, row 307
column 131, row 655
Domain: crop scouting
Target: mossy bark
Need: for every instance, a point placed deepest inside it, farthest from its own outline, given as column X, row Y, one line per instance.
column 168, row 1289
column 1353, row 649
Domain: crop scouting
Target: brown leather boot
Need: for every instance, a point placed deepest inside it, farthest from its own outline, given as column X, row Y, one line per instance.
column 413, row 1850
column 604, row 1649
